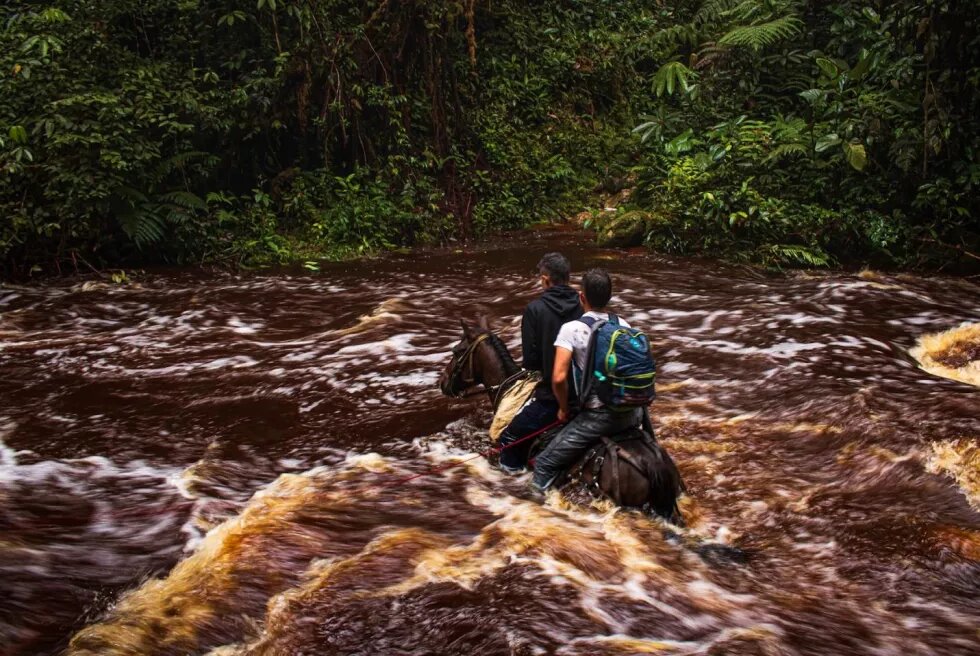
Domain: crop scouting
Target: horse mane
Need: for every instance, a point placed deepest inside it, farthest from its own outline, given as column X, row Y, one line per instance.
column 510, row 367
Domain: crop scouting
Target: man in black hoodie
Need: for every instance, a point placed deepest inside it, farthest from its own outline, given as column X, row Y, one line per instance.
column 543, row 318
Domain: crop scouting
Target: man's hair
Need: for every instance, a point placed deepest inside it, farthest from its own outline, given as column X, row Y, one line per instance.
column 597, row 287
column 556, row 266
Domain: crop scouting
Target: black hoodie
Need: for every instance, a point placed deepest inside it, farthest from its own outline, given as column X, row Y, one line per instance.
column 543, row 318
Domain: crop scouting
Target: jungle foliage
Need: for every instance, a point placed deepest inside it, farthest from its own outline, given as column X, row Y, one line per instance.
column 252, row 132
column 811, row 133
column 256, row 131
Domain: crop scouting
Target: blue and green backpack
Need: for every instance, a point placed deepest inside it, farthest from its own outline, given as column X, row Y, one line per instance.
column 623, row 371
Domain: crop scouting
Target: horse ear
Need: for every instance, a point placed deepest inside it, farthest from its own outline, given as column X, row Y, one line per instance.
column 467, row 331
column 484, row 323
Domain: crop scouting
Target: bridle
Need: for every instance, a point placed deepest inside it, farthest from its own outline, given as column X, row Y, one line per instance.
column 468, row 384
column 461, row 362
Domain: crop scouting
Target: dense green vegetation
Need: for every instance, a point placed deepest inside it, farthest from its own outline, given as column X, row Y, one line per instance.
column 815, row 132
column 249, row 132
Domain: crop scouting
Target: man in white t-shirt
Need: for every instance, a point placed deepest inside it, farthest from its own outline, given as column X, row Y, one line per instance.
column 594, row 420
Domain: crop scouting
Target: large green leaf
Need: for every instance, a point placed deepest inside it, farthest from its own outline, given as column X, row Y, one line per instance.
column 828, row 68
column 857, row 156
column 826, row 142
column 670, row 76
column 861, row 68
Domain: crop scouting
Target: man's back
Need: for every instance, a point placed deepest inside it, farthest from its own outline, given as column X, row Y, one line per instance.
column 575, row 337
column 542, row 321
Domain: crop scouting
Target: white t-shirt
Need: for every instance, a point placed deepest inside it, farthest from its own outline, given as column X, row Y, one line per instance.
column 574, row 336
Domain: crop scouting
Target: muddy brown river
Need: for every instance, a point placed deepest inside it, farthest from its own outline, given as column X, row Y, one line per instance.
column 209, row 464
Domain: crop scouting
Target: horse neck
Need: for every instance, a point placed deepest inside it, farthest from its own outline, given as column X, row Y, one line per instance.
column 496, row 363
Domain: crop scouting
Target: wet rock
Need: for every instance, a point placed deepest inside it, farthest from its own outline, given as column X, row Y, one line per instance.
column 624, row 230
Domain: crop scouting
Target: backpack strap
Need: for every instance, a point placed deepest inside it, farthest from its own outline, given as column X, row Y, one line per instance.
column 585, row 384
column 592, row 321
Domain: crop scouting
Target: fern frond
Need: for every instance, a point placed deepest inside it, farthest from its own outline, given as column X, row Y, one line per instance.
column 788, row 129
column 677, row 35
column 141, row 226
column 710, row 55
column 793, row 254
column 794, row 82
column 745, row 11
column 180, row 161
column 762, row 35
column 787, row 151
column 713, row 10
column 186, row 200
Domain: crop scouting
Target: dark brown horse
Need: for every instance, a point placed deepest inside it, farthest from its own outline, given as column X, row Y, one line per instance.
column 631, row 469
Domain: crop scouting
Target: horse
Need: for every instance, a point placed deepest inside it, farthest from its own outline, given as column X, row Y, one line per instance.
column 631, row 469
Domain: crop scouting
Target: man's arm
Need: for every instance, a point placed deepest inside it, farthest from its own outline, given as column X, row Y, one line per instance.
column 530, row 349
column 559, row 380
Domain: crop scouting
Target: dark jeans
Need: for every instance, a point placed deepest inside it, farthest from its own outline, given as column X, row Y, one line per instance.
column 534, row 416
column 577, row 437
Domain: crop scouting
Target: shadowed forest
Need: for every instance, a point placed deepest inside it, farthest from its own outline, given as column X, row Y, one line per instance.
column 244, row 133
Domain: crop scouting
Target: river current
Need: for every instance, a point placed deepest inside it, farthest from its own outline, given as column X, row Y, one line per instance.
column 205, row 463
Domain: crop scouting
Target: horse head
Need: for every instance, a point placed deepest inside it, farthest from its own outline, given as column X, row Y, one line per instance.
column 479, row 358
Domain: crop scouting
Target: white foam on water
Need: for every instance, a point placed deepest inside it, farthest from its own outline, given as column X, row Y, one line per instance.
column 439, row 356
column 8, row 457
column 802, row 319
column 780, row 350
column 395, row 344
column 307, row 407
column 232, row 362
column 419, row 379
column 244, row 328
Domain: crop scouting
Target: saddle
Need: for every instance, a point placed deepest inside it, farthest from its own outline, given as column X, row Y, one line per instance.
column 612, row 447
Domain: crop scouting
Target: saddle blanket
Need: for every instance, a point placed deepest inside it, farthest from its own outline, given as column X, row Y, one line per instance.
column 511, row 403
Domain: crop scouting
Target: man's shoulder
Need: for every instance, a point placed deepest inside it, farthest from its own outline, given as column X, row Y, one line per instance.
column 573, row 335
column 535, row 307
column 590, row 319
column 574, row 324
